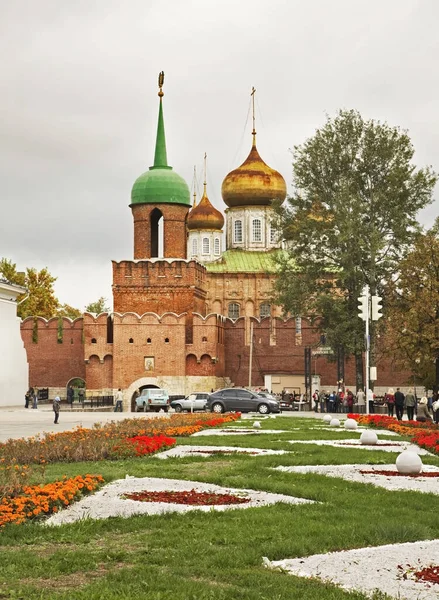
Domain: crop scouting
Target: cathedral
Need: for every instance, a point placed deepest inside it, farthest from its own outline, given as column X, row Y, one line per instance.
column 188, row 313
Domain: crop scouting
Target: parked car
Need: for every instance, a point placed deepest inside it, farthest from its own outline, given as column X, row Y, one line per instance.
column 152, row 399
column 239, row 399
column 193, row 402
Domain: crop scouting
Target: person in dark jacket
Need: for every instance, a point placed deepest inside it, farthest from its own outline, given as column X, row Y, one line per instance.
column 399, row 404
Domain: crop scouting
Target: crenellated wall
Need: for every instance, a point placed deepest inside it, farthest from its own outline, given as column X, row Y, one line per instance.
column 159, row 285
column 55, row 350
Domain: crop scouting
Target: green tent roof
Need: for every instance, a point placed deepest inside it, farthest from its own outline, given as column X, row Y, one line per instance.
column 244, row 261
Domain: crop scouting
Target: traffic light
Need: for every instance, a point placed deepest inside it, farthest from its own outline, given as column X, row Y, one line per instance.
column 377, row 307
column 363, row 308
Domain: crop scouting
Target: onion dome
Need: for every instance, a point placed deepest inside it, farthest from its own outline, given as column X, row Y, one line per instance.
column 160, row 185
column 204, row 215
column 254, row 183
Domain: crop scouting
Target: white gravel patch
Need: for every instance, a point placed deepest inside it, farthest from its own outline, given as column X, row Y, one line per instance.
column 370, row 569
column 182, row 451
column 396, row 446
column 108, row 501
column 360, row 430
column 428, row 485
column 234, row 431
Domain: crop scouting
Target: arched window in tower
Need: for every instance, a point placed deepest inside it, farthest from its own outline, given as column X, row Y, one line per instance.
column 217, row 247
column 256, row 230
column 238, row 231
column 234, row 309
column 194, row 247
column 265, row 310
column 206, row 245
column 156, row 227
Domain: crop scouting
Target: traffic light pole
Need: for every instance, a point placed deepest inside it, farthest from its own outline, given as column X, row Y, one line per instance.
column 366, row 293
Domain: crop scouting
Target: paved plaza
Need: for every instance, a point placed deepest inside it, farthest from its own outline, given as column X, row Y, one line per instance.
column 17, row 422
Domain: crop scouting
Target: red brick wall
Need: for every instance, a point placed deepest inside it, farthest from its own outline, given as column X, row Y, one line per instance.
column 174, row 231
column 53, row 364
column 159, row 286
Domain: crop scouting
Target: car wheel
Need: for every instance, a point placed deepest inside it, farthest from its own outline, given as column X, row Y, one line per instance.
column 217, row 408
column 145, row 409
column 166, row 408
column 263, row 409
column 178, row 408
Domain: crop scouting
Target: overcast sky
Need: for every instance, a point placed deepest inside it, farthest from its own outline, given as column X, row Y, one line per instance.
column 78, row 105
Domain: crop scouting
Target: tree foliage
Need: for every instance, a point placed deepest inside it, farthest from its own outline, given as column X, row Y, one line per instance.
column 39, row 298
column 413, row 310
column 349, row 222
column 98, row 307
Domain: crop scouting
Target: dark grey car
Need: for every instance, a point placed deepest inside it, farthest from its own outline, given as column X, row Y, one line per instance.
column 242, row 400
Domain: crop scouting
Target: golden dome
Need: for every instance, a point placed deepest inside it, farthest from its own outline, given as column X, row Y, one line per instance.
column 204, row 215
column 253, row 183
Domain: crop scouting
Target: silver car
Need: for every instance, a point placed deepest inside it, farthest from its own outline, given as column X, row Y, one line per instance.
column 193, row 402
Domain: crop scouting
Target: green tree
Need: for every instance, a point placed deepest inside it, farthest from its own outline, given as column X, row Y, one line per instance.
column 349, row 222
column 413, row 311
column 8, row 271
column 98, row 307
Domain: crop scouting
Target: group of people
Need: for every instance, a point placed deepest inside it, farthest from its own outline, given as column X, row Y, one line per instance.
column 337, row 401
column 426, row 409
column 31, row 398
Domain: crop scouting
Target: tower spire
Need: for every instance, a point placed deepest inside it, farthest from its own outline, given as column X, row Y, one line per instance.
column 253, row 115
column 195, row 187
column 205, row 176
column 160, row 156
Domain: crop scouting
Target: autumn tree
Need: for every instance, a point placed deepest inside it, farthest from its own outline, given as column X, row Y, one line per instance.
column 413, row 311
column 349, row 222
column 98, row 307
column 39, row 298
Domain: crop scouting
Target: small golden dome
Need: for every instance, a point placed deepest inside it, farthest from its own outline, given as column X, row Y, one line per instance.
column 204, row 215
column 253, row 183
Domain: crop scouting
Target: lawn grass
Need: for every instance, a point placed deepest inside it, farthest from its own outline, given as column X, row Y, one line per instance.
column 216, row 555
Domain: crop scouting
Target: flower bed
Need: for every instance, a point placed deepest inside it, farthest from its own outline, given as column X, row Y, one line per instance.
column 98, row 443
column 425, row 435
column 140, row 445
column 191, row 497
column 37, row 500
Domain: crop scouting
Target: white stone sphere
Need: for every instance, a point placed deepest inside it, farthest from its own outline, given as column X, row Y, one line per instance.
column 350, row 424
column 334, row 423
column 409, row 463
column 369, row 437
column 256, row 425
column 327, row 418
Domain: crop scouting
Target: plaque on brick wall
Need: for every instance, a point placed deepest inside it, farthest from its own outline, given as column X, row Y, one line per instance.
column 149, row 363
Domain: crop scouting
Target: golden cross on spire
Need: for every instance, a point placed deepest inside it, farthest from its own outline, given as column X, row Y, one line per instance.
column 161, row 82
column 205, row 169
column 253, row 110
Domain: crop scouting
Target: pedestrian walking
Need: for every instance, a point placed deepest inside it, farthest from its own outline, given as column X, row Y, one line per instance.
column 389, row 398
column 436, row 411
column 81, row 395
column 410, row 402
column 361, row 401
column 399, row 404
column 35, row 398
column 56, row 408
column 119, row 399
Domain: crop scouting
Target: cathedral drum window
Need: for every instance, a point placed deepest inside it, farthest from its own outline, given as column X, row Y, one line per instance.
column 257, row 230
column 234, row 310
column 273, row 235
column 238, row 231
column 217, row 247
column 194, row 247
column 206, row 245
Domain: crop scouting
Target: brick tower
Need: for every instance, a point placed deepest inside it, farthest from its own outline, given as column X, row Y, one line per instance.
column 160, row 279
